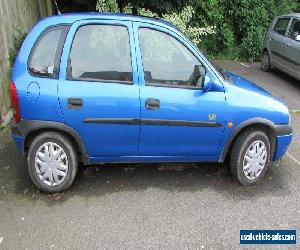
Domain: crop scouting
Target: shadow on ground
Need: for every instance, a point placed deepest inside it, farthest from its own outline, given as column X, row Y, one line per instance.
column 113, row 178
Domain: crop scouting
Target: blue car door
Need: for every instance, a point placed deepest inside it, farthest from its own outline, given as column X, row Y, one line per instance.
column 179, row 120
column 98, row 87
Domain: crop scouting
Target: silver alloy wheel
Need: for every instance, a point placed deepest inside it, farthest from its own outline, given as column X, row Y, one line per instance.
column 255, row 160
column 51, row 164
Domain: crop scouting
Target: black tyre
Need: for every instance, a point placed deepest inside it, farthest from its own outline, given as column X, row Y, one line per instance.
column 265, row 61
column 52, row 162
column 250, row 157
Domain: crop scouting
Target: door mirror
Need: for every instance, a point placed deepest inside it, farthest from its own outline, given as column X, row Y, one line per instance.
column 207, row 84
column 297, row 38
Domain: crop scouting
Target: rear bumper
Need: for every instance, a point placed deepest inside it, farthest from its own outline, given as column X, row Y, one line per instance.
column 18, row 138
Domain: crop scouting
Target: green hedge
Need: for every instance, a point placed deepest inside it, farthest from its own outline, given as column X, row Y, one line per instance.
column 240, row 25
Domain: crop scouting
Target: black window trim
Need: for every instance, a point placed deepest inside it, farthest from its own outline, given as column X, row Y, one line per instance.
column 65, row 27
column 290, row 27
column 287, row 28
column 164, row 84
column 96, row 80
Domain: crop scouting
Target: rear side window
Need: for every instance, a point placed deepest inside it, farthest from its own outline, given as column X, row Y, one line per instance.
column 45, row 56
column 281, row 26
column 101, row 53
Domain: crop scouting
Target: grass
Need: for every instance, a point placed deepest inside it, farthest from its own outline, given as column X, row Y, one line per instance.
column 4, row 128
column 1, row 129
column 295, row 112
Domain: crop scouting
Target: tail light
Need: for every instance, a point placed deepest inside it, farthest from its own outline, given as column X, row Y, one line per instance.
column 15, row 102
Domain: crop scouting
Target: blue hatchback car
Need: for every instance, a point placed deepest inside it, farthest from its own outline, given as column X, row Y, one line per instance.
column 100, row 88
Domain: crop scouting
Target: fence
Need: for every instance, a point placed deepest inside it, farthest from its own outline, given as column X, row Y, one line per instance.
column 15, row 15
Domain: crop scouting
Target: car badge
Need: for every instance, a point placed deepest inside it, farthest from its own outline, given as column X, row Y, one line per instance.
column 212, row 117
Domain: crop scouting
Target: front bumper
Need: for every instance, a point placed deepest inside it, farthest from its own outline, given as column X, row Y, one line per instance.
column 284, row 136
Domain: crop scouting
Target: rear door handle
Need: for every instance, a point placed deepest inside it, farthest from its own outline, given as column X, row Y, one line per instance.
column 75, row 103
column 152, row 104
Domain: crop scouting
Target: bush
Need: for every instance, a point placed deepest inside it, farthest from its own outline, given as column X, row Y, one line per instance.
column 221, row 28
column 182, row 19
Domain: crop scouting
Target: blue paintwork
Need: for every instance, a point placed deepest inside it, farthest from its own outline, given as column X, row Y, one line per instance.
column 236, row 101
column 282, row 143
column 180, row 104
column 102, row 100
column 19, row 141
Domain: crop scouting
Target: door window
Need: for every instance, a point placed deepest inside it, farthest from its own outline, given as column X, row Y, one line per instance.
column 295, row 29
column 101, row 53
column 167, row 61
column 281, row 26
column 45, row 56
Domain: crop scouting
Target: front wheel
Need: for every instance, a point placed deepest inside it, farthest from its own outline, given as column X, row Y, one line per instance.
column 52, row 162
column 250, row 157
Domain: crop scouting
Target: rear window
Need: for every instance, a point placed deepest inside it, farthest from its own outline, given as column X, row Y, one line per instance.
column 101, row 52
column 45, row 56
column 281, row 26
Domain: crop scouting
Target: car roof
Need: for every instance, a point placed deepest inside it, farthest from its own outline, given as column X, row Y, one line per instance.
column 291, row 15
column 73, row 17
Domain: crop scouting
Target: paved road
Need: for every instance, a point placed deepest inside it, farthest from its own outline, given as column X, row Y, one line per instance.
column 184, row 206
column 280, row 84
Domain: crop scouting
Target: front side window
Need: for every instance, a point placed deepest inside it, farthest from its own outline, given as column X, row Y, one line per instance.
column 101, row 53
column 295, row 29
column 45, row 56
column 281, row 25
column 167, row 61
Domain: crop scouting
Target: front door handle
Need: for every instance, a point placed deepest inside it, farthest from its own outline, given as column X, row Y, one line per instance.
column 152, row 104
column 75, row 103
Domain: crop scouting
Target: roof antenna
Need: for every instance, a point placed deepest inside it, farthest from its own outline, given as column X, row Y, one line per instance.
column 58, row 11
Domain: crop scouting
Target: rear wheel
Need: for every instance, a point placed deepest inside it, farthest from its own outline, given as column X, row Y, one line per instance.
column 52, row 162
column 265, row 61
column 250, row 157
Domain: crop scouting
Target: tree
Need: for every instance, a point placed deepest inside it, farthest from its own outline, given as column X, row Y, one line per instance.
column 240, row 25
column 76, row 5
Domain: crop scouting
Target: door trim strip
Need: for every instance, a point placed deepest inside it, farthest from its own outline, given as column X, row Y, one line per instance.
column 285, row 58
column 159, row 122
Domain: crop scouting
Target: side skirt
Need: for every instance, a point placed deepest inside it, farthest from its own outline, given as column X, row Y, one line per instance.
column 156, row 159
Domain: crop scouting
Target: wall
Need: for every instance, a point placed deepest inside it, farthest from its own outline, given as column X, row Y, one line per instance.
column 21, row 15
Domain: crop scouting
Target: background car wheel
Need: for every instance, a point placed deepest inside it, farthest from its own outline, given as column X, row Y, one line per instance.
column 52, row 162
column 265, row 61
column 250, row 157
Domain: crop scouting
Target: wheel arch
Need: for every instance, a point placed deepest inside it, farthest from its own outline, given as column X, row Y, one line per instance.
column 30, row 129
column 258, row 123
column 265, row 49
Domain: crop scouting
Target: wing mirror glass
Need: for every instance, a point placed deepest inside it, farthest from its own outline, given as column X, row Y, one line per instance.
column 297, row 38
column 198, row 76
